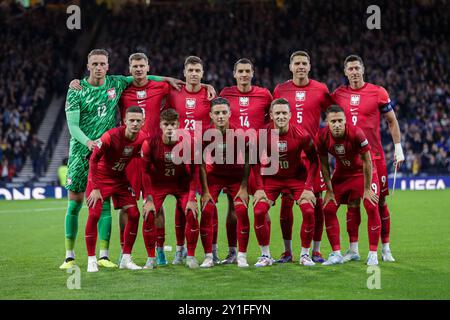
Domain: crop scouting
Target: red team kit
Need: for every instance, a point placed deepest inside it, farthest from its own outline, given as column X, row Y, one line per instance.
column 123, row 170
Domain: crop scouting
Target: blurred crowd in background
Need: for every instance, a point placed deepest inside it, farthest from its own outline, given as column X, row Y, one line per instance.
column 33, row 67
column 408, row 56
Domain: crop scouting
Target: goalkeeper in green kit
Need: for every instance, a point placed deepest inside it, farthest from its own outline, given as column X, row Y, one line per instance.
column 90, row 112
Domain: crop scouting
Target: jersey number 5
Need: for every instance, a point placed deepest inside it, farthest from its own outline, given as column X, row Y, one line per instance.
column 299, row 117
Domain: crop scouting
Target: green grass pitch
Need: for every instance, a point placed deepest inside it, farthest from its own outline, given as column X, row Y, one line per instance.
column 32, row 248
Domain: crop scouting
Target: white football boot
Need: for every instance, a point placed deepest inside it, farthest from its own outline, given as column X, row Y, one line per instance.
column 334, row 258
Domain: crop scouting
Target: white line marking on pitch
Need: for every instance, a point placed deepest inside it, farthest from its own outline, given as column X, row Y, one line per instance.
column 32, row 210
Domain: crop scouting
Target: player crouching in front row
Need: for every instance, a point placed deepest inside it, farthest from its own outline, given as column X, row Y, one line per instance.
column 354, row 178
column 164, row 176
column 107, row 179
column 291, row 175
column 217, row 174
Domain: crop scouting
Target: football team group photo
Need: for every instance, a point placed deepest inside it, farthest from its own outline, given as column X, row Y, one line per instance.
column 214, row 150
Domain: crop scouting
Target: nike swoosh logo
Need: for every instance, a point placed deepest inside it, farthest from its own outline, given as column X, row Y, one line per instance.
column 244, row 232
column 190, row 112
column 322, row 185
column 150, row 230
column 259, row 227
column 89, row 100
column 373, row 229
column 133, row 233
column 308, row 231
column 243, row 110
column 353, row 109
column 194, row 230
column 141, row 101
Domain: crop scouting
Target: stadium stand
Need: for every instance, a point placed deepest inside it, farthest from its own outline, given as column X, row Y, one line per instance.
column 408, row 56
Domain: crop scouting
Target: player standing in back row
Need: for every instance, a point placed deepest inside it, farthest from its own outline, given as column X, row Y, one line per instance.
column 192, row 103
column 364, row 103
column 307, row 98
column 249, row 110
column 90, row 111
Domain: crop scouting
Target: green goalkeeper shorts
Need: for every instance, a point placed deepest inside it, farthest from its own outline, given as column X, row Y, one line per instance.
column 77, row 173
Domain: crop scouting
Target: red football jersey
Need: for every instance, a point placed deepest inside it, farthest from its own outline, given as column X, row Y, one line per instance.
column 290, row 146
column 249, row 109
column 159, row 164
column 306, row 102
column 149, row 98
column 363, row 108
column 347, row 150
column 191, row 106
column 111, row 156
column 236, row 167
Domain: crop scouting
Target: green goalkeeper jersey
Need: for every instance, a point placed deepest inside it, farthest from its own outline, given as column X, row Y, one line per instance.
column 90, row 112
column 96, row 107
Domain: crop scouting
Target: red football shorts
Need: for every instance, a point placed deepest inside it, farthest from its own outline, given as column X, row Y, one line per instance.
column 230, row 185
column 380, row 164
column 181, row 193
column 121, row 193
column 134, row 171
column 347, row 187
column 274, row 187
column 319, row 184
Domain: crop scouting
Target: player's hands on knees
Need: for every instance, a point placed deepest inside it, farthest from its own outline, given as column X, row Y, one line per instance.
column 175, row 83
column 193, row 206
column 329, row 197
column 371, row 196
column 95, row 195
column 307, row 196
column 75, row 85
column 211, row 91
column 259, row 195
column 206, row 197
column 149, row 208
column 243, row 195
